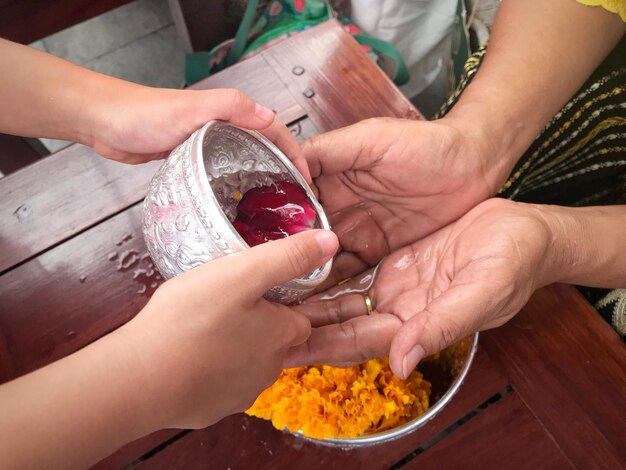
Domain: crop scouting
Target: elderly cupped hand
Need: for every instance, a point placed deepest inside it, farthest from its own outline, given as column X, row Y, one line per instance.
column 472, row 275
column 455, row 261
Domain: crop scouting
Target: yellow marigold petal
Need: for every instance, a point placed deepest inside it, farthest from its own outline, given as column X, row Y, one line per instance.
column 324, row 401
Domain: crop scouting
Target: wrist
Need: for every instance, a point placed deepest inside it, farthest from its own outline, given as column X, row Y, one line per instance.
column 496, row 136
column 148, row 404
column 587, row 245
column 569, row 249
column 166, row 372
column 102, row 102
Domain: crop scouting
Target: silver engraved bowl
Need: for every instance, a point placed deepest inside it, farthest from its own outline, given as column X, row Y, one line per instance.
column 192, row 201
column 446, row 371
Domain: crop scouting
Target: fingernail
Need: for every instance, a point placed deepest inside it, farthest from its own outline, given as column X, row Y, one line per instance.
column 411, row 359
column 327, row 241
column 264, row 113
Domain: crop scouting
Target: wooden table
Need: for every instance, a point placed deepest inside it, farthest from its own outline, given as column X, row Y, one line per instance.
column 547, row 390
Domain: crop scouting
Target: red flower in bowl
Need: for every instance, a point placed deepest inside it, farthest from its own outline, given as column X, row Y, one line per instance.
column 272, row 212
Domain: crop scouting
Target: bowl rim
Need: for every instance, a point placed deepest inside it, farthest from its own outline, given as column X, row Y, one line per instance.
column 207, row 192
column 405, row 429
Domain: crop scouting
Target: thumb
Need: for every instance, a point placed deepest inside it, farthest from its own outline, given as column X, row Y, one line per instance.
column 294, row 327
column 279, row 261
column 450, row 317
column 340, row 150
column 232, row 106
column 238, row 109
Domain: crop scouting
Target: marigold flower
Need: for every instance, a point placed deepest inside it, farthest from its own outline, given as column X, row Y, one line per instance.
column 326, row 402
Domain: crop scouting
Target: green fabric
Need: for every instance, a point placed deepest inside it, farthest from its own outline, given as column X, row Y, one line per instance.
column 289, row 21
column 196, row 67
column 462, row 50
column 242, row 34
column 268, row 28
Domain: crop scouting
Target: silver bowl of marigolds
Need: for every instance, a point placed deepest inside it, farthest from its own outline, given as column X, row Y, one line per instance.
column 364, row 405
column 224, row 190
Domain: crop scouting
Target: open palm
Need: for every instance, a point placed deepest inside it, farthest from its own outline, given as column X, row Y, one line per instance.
column 385, row 183
column 472, row 275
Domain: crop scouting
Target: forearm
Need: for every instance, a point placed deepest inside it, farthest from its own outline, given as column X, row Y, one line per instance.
column 76, row 411
column 588, row 245
column 44, row 96
column 540, row 52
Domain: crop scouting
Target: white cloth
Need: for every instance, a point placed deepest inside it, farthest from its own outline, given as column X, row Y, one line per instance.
column 421, row 30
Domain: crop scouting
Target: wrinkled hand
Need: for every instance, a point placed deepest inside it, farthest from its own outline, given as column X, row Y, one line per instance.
column 385, row 183
column 208, row 343
column 473, row 275
column 139, row 124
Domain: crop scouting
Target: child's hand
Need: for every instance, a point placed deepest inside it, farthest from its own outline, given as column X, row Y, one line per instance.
column 122, row 121
column 135, row 124
column 207, row 343
column 472, row 275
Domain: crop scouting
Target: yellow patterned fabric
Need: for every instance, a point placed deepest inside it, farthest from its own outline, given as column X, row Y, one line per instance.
column 614, row 6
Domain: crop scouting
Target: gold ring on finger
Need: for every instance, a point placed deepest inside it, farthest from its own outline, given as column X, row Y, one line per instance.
column 368, row 303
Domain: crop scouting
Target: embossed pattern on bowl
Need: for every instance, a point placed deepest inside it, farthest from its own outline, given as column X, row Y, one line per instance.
column 188, row 210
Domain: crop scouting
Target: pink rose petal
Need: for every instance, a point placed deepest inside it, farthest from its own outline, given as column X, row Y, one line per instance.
column 273, row 212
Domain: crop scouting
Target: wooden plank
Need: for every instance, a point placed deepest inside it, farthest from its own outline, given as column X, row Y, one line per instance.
column 505, row 435
column 73, row 294
column 56, row 197
column 83, row 288
column 5, row 364
column 134, row 450
column 241, row 442
column 61, row 195
column 256, row 78
column 303, row 129
column 569, row 368
column 26, row 21
column 347, row 85
column 16, row 153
